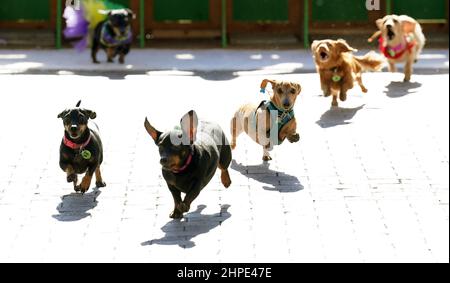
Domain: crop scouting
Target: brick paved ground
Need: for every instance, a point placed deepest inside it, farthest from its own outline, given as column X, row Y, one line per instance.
column 368, row 181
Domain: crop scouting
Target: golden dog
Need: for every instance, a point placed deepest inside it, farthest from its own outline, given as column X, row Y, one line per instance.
column 339, row 68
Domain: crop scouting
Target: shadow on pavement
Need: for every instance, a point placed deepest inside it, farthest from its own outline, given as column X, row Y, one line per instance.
column 400, row 89
column 276, row 181
column 75, row 206
column 221, row 75
column 337, row 116
column 181, row 232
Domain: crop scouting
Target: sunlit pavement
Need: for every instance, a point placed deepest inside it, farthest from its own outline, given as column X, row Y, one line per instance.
column 367, row 182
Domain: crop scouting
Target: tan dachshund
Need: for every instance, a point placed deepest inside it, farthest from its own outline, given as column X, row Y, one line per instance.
column 272, row 121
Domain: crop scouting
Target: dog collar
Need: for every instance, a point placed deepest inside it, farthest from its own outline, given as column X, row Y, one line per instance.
column 395, row 52
column 108, row 39
column 73, row 145
column 336, row 78
column 283, row 116
column 185, row 166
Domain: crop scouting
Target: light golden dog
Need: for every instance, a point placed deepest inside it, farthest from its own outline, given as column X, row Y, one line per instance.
column 401, row 40
column 339, row 68
column 272, row 121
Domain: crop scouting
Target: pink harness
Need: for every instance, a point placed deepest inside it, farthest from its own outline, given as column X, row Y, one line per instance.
column 398, row 50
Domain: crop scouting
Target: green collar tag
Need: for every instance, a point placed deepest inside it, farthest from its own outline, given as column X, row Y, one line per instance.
column 336, row 78
column 392, row 52
column 86, row 154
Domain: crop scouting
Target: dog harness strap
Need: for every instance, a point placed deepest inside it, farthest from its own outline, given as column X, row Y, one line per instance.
column 185, row 166
column 283, row 117
column 396, row 52
column 73, row 145
column 110, row 40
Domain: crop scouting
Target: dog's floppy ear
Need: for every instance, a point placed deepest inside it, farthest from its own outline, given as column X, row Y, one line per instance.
column 131, row 13
column 62, row 114
column 297, row 87
column 266, row 81
column 408, row 23
column 380, row 23
column 189, row 125
column 154, row 133
column 89, row 113
column 314, row 45
column 343, row 46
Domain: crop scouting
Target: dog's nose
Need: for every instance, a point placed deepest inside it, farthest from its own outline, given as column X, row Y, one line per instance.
column 389, row 26
column 73, row 128
column 286, row 104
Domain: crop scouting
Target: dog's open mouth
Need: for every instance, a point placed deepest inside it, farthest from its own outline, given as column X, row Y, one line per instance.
column 74, row 135
column 323, row 56
column 390, row 34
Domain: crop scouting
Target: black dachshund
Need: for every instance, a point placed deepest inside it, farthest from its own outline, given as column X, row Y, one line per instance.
column 114, row 35
column 188, row 163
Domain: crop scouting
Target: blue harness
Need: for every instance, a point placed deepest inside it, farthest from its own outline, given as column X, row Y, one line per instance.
column 281, row 119
column 109, row 39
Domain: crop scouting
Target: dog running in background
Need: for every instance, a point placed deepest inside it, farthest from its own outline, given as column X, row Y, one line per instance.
column 339, row 68
column 400, row 40
column 102, row 25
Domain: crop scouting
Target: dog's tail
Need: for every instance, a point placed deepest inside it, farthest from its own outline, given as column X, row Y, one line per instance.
column 78, row 104
column 374, row 35
column 371, row 61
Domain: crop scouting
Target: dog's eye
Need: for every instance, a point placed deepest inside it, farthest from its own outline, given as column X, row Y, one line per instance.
column 279, row 90
column 293, row 90
column 395, row 21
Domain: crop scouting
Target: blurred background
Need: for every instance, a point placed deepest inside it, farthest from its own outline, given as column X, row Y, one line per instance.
column 226, row 23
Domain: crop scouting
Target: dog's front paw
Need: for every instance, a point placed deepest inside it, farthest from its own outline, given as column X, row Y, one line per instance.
column 183, row 207
column 95, row 61
column 267, row 158
column 81, row 189
column 72, row 178
column 100, row 184
column 343, row 96
column 294, row 138
column 85, row 184
column 176, row 214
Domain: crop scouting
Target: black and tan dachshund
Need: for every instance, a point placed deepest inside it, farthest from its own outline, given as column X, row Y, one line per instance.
column 189, row 163
column 81, row 149
column 114, row 35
